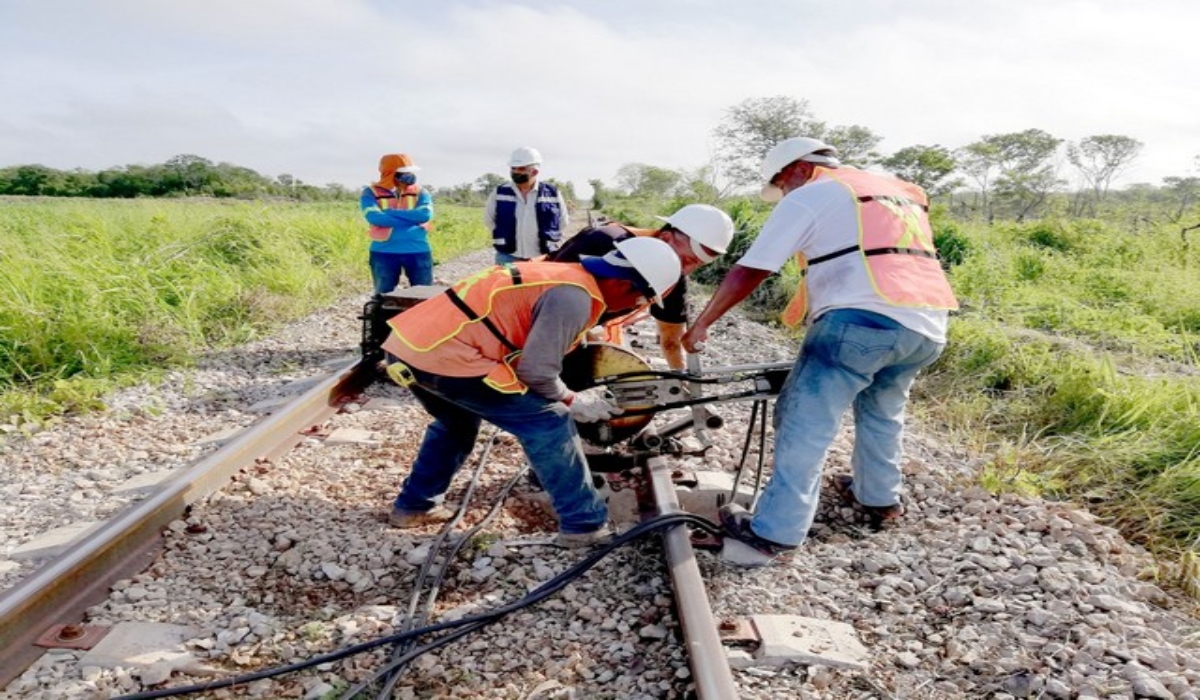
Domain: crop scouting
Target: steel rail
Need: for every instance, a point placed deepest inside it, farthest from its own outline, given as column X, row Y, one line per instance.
column 61, row 590
column 702, row 641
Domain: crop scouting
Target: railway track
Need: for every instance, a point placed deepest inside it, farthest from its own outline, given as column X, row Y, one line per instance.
column 972, row 595
column 48, row 607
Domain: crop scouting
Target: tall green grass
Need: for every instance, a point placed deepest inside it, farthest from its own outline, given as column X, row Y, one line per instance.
column 1073, row 364
column 93, row 291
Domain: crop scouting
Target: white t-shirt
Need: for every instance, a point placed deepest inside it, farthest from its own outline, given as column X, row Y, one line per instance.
column 821, row 218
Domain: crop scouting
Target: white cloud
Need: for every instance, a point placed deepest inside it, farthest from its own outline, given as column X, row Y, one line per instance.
column 320, row 88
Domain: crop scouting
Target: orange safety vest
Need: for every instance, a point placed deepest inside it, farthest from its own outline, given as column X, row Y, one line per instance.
column 479, row 327
column 895, row 244
column 387, row 199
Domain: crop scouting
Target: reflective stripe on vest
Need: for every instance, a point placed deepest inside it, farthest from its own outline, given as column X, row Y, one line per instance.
column 439, row 336
column 387, row 199
column 895, row 244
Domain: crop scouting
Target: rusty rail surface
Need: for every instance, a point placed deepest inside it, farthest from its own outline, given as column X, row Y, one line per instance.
column 702, row 641
column 61, row 590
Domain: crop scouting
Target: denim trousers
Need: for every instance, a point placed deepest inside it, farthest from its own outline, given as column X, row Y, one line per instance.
column 502, row 258
column 544, row 428
column 387, row 267
column 849, row 357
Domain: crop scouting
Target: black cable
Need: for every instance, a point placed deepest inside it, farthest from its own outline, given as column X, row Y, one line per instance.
column 762, row 454
column 432, row 594
column 737, row 475
column 545, row 590
column 537, row 595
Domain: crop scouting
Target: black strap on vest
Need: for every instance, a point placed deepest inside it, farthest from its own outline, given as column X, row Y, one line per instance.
column 901, row 251
column 894, row 199
column 871, row 251
column 513, row 272
column 487, row 322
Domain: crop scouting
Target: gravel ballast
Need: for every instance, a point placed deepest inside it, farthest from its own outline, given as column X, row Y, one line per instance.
column 971, row 595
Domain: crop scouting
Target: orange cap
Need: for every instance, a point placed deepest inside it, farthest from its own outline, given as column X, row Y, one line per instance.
column 393, row 163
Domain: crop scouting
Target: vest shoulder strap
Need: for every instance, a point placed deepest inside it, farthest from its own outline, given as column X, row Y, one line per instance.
column 487, row 322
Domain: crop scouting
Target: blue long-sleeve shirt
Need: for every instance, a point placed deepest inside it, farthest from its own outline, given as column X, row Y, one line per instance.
column 408, row 236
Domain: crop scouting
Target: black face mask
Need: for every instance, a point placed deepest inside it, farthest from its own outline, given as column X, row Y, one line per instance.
column 406, row 178
column 520, row 178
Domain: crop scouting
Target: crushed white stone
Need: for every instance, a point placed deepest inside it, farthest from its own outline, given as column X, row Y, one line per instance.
column 972, row 595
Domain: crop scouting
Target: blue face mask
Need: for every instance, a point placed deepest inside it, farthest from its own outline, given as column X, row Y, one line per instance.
column 406, row 178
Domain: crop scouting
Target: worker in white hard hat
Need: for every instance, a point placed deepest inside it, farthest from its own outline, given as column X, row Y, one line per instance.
column 876, row 302
column 699, row 234
column 492, row 349
column 527, row 217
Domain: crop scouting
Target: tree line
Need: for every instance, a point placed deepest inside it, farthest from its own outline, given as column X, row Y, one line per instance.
column 181, row 176
column 1016, row 176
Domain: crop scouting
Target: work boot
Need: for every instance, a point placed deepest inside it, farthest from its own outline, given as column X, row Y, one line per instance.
column 878, row 516
column 742, row 547
column 402, row 518
column 576, row 540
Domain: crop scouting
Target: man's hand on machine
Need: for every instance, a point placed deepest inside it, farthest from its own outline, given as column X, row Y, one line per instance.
column 693, row 340
column 591, row 405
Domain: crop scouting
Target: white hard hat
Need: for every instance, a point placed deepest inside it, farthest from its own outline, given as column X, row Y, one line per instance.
column 524, row 156
column 640, row 259
column 707, row 227
column 789, row 151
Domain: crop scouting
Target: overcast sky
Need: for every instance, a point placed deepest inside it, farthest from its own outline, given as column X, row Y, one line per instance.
column 321, row 88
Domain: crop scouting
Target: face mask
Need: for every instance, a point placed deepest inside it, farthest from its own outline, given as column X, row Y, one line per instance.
column 770, row 193
column 520, row 178
column 406, row 178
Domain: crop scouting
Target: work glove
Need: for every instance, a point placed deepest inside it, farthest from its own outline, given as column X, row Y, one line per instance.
column 593, row 405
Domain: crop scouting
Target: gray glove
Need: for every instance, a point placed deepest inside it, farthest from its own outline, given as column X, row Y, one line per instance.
column 591, row 405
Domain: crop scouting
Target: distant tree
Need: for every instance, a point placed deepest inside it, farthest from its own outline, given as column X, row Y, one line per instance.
column 566, row 189
column 33, row 180
column 980, row 161
column 1101, row 158
column 1023, row 163
column 699, row 186
column 336, row 190
column 598, row 193
column 926, row 166
column 650, row 181
column 484, row 184
column 753, row 126
column 1183, row 193
column 195, row 175
column 856, row 144
column 1028, row 173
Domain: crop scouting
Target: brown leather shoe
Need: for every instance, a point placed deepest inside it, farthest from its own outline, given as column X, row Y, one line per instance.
column 879, row 516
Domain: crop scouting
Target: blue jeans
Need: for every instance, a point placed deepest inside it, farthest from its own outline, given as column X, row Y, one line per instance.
column 502, row 258
column 386, row 269
column 544, row 428
column 849, row 357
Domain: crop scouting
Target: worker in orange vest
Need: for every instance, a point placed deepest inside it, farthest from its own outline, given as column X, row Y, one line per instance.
column 492, row 347
column 398, row 212
column 877, row 303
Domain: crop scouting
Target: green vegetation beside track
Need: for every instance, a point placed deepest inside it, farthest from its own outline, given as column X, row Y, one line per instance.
column 1071, row 373
column 95, row 293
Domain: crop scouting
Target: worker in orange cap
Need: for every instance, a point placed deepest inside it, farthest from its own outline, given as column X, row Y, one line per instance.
column 398, row 211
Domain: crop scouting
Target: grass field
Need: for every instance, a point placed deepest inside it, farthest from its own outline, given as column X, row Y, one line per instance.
column 96, row 292
column 1071, row 370
column 1073, row 367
